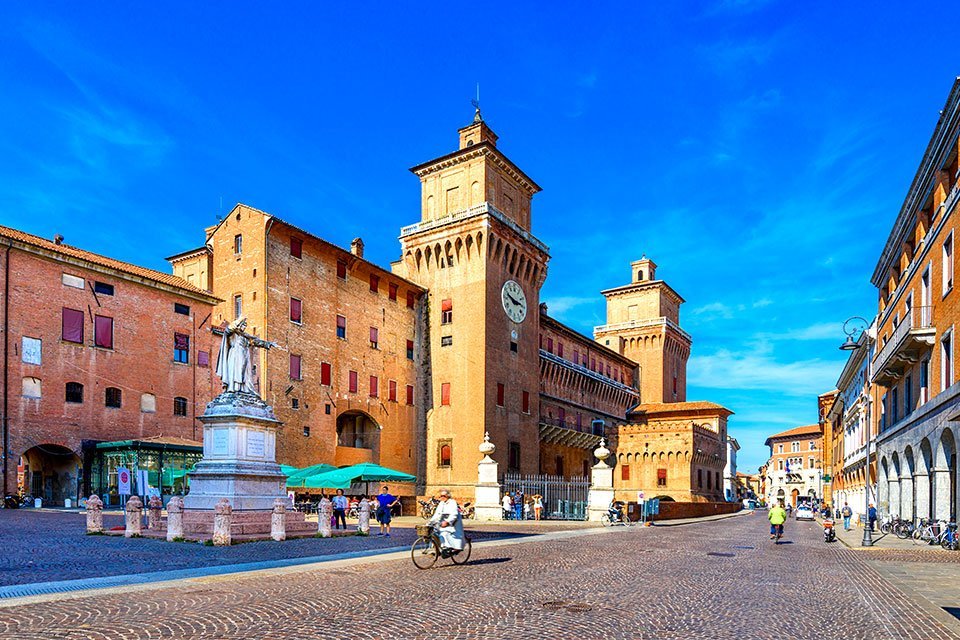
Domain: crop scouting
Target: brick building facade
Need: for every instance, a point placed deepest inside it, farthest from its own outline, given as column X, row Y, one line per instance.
column 94, row 350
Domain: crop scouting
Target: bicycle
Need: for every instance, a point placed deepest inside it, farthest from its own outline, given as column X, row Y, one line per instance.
column 949, row 539
column 609, row 521
column 929, row 532
column 427, row 507
column 778, row 534
column 426, row 549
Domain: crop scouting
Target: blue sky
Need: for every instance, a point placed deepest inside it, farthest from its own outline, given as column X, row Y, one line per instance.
column 758, row 151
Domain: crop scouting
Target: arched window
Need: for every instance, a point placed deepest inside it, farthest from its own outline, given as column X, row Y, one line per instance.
column 445, row 455
column 74, row 392
column 179, row 406
column 113, row 397
column 31, row 387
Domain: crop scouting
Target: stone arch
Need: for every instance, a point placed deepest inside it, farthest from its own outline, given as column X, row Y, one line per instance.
column 479, row 242
column 448, row 253
column 893, row 484
column 945, row 476
column 468, row 245
column 476, row 193
column 438, row 255
column 431, row 207
column 51, row 473
column 358, row 430
column 428, row 257
column 457, row 248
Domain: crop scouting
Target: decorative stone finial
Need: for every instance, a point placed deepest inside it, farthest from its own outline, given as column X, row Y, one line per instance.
column 486, row 447
column 601, row 452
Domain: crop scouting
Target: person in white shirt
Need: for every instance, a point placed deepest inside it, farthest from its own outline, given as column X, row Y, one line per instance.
column 447, row 516
column 507, row 503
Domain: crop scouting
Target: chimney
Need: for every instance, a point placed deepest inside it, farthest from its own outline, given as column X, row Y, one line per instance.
column 58, row 239
column 356, row 247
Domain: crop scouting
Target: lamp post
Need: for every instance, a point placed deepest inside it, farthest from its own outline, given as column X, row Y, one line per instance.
column 850, row 327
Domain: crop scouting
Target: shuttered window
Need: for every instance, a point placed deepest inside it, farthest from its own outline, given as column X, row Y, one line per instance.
column 72, row 330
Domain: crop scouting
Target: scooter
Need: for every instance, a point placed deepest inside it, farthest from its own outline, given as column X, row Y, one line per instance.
column 829, row 535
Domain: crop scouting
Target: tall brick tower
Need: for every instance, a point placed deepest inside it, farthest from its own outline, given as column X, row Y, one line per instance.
column 483, row 269
column 643, row 323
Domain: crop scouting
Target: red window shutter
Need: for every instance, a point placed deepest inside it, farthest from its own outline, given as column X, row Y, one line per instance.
column 296, row 310
column 374, row 335
column 72, row 325
column 393, row 292
column 341, row 322
column 393, row 391
column 325, row 373
column 103, row 332
column 576, row 357
column 445, row 394
column 341, row 269
column 446, row 305
column 560, row 349
column 608, row 371
column 203, row 358
column 526, row 402
column 181, row 341
column 499, row 394
column 549, row 345
column 562, row 414
column 296, row 247
column 661, row 474
column 353, row 382
column 625, row 472
column 374, row 283
column 410, row 394
column 294, row 367
column 374, row 387
column 411, row 299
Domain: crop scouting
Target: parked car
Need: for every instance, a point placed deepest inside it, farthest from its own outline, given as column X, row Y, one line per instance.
column 804, row 512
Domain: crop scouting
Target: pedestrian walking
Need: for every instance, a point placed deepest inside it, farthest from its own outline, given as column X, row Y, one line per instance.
column 507, row 503
column 518, row 505
column 527, row 508
column 872, row 515
column 340, row 510
column 386, row 503
column 537, row 506
column 846, row 512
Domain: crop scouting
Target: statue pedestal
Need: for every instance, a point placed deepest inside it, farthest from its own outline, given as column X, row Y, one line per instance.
column 239, row 457
column 601, row 491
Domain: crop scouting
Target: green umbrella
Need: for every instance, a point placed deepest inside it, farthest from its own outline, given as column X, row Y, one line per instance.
column 288, row 470
column 296, row 479
column 363, row 472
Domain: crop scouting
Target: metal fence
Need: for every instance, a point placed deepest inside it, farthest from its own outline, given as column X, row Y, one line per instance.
column 563, row 498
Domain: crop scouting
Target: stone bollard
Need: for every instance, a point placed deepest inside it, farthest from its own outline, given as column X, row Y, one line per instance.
column 223, row 514
column 278, row 520
column 94, row 514
column 154, row 507
column 324, row 514
column 363, row 524
column 174, row 518
column 134, row 517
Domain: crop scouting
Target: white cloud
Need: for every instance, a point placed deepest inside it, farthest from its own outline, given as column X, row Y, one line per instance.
column 564, row 304
column 714, row 309
column 757, row 370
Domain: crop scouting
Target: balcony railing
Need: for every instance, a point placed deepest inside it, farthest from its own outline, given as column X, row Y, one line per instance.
column 914, row 335
column 640, row 324
column 555, row 430
column 484, row 208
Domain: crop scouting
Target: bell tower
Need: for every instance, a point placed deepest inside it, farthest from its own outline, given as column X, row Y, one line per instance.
column 643, row 323
column 473, row 251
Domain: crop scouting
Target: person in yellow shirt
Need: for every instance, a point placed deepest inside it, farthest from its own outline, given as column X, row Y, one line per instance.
column 777, row 517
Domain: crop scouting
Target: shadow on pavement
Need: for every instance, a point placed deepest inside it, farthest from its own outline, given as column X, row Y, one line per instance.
column 490, row 561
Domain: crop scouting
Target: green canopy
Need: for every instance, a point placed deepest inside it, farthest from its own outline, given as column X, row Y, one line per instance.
column 363, row 472
column 288, row 470
column 298, row 476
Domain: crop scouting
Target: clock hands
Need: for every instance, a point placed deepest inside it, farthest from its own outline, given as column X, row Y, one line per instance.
column 514, row 300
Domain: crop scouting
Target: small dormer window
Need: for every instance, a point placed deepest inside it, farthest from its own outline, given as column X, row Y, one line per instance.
column 470, row 142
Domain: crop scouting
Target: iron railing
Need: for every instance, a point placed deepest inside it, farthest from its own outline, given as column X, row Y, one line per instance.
column 563, row 498
column 917, row 318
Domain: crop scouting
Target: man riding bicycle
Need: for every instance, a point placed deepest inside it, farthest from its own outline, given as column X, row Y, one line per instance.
column 778, row 515
column 446, row 517
column 615, row 511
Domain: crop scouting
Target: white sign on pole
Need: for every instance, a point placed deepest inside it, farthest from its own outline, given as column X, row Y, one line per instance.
column 123, row 481
column 142, row 482
column 639, row 496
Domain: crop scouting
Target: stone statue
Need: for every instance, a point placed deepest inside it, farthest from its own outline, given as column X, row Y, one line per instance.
column 234, row 362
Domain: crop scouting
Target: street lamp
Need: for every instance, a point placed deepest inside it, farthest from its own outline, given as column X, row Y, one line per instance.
column 851, row 327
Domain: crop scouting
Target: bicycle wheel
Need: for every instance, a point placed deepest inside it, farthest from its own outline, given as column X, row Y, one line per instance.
column 605, row 520
column 464, row 556
column 424, row 552
column 922, row 536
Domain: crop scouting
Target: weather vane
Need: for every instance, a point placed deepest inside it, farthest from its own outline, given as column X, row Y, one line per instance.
column 476, row 105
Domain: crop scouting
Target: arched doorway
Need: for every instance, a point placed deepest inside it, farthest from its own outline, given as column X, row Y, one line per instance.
column 51, row 472
column 794, row 495
column 781, row 497
column 945, row 477
column 358, row 438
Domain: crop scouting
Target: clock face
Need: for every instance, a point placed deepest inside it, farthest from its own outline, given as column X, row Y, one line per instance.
column 514, row 302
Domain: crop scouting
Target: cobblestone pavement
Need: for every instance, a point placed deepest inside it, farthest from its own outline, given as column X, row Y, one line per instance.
column 51, row 546
column 721, row 580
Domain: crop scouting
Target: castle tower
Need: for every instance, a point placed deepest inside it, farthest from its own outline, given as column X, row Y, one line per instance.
column 483, row 269
column 643, row 323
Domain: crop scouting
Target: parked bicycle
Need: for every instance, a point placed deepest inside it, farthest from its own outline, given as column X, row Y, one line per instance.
column 427, row 507
column 426, row 549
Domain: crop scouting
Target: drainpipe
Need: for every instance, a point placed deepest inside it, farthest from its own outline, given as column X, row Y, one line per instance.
column 6, row 364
